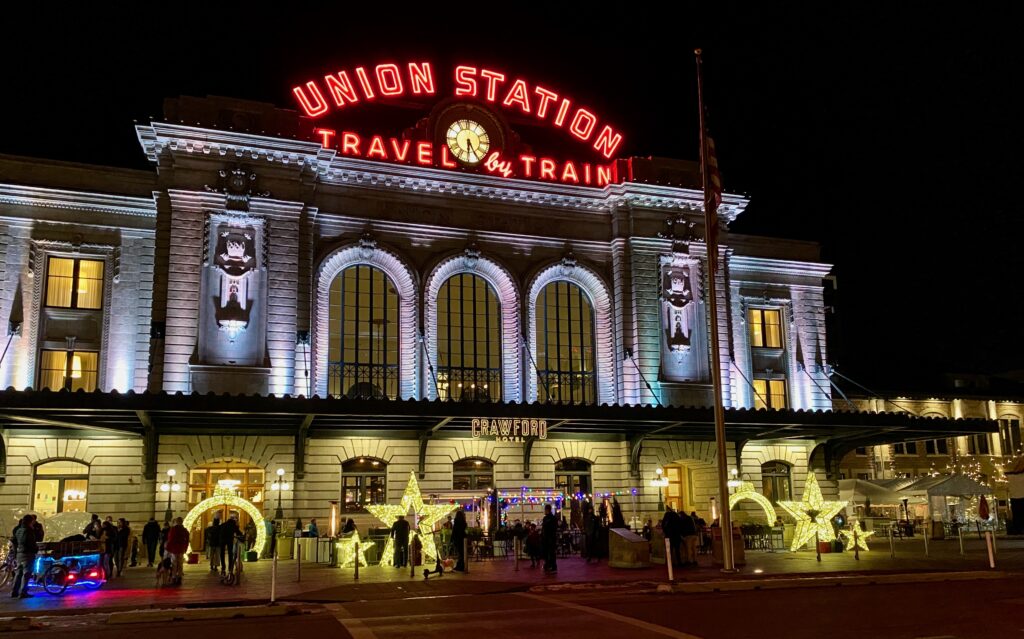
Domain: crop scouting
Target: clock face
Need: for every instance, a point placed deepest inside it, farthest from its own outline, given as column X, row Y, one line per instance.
column 468, row 141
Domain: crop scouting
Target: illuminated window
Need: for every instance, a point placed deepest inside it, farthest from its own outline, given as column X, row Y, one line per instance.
column 775, row 481
column 978, row 445
column 60, row 487
column 565, row 345
column 936, row 447
column 765, row 327
column 468, row 340
column 572, row 476
column 472, row 474
column 1009, row 436
column 770, row 393
column 364, row 331
column 907, row 448
column 74, row 283
column 364, row 483
column 70, row 370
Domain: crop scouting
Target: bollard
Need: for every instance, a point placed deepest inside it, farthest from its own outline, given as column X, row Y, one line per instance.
column 960, row 534
column 892, row 546
column 357, row 561
column 856, row 548
column 995, row 549
column 515, row 550
column 273, row 578
column 465, row 556
column 991, row 552
column 668, row 560
column 412, row 567
column 298, row 561
column 817, row 545
column 927, row 534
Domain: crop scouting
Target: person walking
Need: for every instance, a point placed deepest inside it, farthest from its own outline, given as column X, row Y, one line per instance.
column 688, row 532
column 108, row 539
column 175, row 547
column 24, row 547
column 400, row 533
column 670, row 526
column 163, row 538
column 459, row 538
column 250, row 535
column 211, row 537
column 121, row 548
column 549, row 539
column 590, row 528
column 228, row 535
column 150, row 538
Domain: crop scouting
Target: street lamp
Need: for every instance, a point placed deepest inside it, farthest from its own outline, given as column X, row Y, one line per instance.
column 280, row 485
column 734, row 479
column 170, row 486
column 660, row 481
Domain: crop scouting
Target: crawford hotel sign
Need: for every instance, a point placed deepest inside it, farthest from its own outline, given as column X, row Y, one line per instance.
column 467, row 129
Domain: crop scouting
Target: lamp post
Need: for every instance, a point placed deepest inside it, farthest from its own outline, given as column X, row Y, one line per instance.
column 170, row 486
column 280, row 485
column 660, row 481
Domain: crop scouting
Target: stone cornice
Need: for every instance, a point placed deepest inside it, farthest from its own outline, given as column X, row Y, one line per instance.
column 19, row 195
column 333, row 169
column 764, row 265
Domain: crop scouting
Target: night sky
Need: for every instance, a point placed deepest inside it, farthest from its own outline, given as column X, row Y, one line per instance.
column 886, row 137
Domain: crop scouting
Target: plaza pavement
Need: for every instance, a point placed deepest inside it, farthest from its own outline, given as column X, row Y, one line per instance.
column 320, row 583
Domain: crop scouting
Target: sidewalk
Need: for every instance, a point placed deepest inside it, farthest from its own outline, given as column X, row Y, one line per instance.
column 320, row 583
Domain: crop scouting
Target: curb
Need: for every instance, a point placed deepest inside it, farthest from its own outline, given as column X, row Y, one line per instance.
column 813, row 582
column 201, row 614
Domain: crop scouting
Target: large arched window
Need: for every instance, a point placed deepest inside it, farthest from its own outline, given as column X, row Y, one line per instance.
column 60, row 487
column 364, row 482
column 775, row 481
column 468, row 340
column 572, row 476
column 364, row 341
column 565, row 345
column 472, row 474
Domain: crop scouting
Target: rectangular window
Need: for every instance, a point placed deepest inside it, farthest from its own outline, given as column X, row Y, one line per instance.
column 978, row 445
column 1009, row 436
column 74, row 283
column 765, row 327
column 71, row 370
column 770, row 393
column 908, row 448
column 936, row 447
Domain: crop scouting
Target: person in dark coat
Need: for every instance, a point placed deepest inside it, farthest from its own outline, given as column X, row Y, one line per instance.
column 150, row 538
column 688, row 533
column 163, row 537
column 211, row 536
column 24, row 547
column 670, row 525
column 618, row 521
column 549, row 539
column 591, row 524
column 458, row 537
column 228, row 535
column 121, row 545
column 350, row 526
column 400, row 533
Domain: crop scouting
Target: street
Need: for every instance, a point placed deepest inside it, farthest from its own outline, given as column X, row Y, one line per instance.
column 961, row 609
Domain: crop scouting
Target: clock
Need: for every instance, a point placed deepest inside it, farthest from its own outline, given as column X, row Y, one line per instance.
column 468, row 141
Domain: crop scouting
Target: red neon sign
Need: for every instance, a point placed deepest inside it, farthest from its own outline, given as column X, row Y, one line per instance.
column 338, row 90
column 424, row 153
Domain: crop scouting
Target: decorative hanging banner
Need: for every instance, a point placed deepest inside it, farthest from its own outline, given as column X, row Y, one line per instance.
column 509, row 430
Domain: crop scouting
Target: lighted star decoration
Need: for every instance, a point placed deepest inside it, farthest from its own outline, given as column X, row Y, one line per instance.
column 860, row 540
column 425, row 518
column 347, row 550
column 813, row 514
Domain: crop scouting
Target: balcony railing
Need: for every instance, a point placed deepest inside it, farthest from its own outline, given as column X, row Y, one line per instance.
column 566, row 388
column 362, row 381
column 469, row 384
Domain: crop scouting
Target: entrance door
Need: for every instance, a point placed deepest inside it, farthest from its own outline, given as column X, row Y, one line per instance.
column 247, row 481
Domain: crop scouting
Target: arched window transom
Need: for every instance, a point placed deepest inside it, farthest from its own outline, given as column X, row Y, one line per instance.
column 60, row 487
column 364, row 482
column 472, row 474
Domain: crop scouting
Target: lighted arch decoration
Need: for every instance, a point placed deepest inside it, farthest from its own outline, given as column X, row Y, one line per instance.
column 367, row 252
column 226, row 497
column 505, row 288
column 746, row 491
column 569, row 270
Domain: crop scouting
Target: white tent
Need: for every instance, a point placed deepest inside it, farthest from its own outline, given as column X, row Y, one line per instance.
column 858, row 491
column 939, row 491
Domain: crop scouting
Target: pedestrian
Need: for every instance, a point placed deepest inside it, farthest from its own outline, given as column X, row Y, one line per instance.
column 92, row 530
column 211, row 539
column 37, row 528
column 618, row 520
column 122, row 539
column 108, row 538
column 400, row 534
column 150, row 538
column 175, row 547
column 228, row 535
column 549, row 539
column 459, row 538
column 133, row 543
column 688, row 532
column 250, row 535
column 534, row 546
column 648, row 530
column 670, row 527
column 350, row 526
column 163, row 537
column 312, row 529
column 590, row 528
column 24, row 547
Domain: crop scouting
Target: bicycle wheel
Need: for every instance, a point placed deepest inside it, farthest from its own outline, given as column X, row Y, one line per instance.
column 93, row 577
column 55, row 579
column 7, row 569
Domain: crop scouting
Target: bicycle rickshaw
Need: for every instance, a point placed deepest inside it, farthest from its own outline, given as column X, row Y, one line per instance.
column 63, row 564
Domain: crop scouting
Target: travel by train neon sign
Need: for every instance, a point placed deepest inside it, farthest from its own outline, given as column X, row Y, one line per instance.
column 469, row 143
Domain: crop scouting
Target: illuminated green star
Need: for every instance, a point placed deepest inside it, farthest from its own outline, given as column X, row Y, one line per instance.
column 813, row 514
column 347, row 550
column 860, row 539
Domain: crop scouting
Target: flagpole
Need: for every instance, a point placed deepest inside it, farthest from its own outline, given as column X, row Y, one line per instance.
column 711, row 242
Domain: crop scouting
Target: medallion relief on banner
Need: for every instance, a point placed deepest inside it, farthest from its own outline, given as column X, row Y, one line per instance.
column 683, row 334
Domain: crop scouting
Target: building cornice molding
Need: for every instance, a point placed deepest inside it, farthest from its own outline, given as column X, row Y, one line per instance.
column 765, row 265
column 20, row 195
